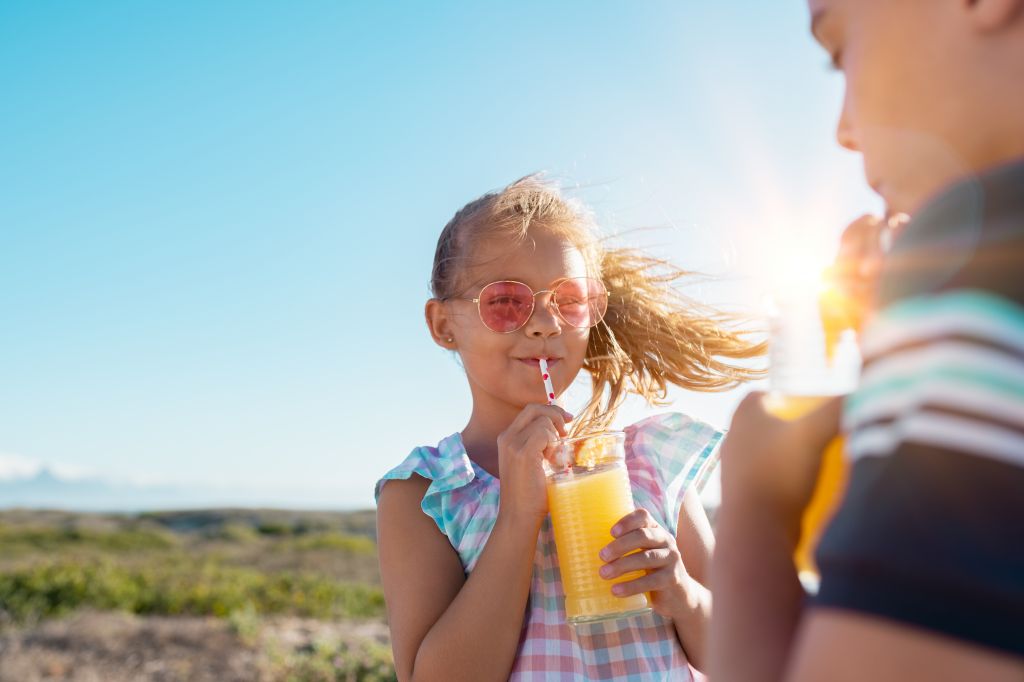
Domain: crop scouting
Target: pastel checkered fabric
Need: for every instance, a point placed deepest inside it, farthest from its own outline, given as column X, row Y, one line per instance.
column 666, row 455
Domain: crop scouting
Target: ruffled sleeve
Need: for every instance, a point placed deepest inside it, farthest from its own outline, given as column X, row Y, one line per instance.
column 446, row 467
column 667, row 455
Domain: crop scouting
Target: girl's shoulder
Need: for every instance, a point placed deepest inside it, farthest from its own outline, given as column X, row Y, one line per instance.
column 452, row 481
column 674, row 451
column 446, row 466
column 672, row 434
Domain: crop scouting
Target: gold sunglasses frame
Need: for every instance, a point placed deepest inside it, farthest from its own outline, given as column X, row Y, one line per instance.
column 533, row 305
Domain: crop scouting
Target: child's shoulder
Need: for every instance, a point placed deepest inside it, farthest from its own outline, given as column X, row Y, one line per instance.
column 676, row 427
column 445, row 466
column 443, row 479
column 674, row 448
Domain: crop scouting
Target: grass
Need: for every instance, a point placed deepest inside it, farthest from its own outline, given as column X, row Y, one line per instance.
column 28, row 539
column 180, row 587
column 196, row 563
column 250, row 568
column 336, row 662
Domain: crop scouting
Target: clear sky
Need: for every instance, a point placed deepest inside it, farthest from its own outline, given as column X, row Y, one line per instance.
column 217, row 220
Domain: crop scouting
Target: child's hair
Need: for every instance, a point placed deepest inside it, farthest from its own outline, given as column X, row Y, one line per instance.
column 651, row 335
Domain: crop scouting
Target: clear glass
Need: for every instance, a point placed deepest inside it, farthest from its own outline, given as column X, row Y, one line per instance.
column 588, row 493
column 813, row 357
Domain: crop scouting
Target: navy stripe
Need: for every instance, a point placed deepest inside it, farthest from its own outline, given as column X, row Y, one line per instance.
column 932, row 538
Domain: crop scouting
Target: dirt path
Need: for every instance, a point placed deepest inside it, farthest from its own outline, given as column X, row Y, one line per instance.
column 114, row 647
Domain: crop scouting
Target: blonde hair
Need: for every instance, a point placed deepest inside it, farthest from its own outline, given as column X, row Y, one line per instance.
column 651, row 336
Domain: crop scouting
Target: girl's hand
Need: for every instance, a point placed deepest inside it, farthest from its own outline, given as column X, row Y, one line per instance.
column 666, row 579
column 521, row 452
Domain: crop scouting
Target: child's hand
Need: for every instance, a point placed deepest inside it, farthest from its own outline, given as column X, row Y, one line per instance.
column 858, row 265
column 770, row 465
column 521, row 452
column 658, row 555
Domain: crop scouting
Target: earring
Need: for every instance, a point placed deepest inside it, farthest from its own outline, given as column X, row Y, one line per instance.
column 450, row 339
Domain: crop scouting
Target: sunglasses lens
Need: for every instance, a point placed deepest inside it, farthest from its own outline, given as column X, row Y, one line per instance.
column 582, row 302
column 505, row 306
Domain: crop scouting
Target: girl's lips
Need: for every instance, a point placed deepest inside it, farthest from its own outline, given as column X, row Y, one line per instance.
column 536, row 362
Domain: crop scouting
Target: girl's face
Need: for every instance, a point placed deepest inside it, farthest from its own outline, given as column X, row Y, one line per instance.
column 503, row 369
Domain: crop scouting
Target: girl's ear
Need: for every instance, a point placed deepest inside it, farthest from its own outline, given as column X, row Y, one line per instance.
column 993, row 15
column 439, row 324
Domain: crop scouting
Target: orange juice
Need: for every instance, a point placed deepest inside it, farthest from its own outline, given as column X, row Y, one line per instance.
column 828, row 491
column 585, row 501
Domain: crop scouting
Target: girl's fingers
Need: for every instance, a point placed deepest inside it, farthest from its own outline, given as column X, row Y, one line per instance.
column 640, row 561
column 527, row 438
column 641, row 538
column 554, row 414
column 539, row 437
column 559, row 424
column 651, row 582
column 640, row 518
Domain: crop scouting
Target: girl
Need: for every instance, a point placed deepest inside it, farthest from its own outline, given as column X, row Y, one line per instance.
column 466, row 548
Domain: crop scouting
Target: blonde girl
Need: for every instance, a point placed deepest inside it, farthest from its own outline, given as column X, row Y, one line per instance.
column 466, row 548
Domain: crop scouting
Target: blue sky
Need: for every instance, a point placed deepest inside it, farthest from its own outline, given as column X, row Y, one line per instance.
column 217, row 219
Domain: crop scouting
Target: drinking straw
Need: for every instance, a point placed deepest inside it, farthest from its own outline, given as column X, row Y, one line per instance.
column 562, row 462
column 546, row 376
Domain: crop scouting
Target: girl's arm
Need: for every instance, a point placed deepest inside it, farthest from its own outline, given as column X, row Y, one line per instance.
column 445, row 626
column 696, row 541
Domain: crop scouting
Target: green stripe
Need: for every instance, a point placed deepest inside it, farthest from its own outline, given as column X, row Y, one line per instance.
column 700, row 463
column 971, row 302
column 996, row 383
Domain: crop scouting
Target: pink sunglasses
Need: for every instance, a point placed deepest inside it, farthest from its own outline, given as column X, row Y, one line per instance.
column 506, row 306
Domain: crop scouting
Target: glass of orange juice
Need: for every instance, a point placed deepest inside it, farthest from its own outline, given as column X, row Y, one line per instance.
column 813, row 357
column 588, row 493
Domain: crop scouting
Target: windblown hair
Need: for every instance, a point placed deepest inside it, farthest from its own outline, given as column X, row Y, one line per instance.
column 651, row 335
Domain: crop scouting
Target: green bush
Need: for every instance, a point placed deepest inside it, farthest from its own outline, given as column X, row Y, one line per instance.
column 245, row 623
column 180, row 587
column 237, row 533
column 339, row 542
column 274, row 528
column 70, row 537
column 338, row 662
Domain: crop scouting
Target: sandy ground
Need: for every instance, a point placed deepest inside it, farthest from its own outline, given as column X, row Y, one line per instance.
column 114, row 647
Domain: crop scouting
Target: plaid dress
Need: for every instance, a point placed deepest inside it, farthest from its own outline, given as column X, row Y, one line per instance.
column 665, row 456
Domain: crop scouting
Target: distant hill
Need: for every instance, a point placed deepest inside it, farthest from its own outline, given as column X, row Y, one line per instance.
column 213, row 522
column 46, row 489
column 267, row 521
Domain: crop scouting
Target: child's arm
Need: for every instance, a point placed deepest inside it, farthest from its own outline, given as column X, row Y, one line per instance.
column 445, row 626
column 768, row 472
column 696, row 541
column 846, row 646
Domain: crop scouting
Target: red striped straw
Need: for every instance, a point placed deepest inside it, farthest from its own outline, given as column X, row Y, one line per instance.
column 546, row 376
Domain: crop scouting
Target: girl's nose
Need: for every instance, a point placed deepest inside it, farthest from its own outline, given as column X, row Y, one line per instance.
column 544, row 321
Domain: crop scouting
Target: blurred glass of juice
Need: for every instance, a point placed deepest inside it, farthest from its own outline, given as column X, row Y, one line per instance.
column 813, row 358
